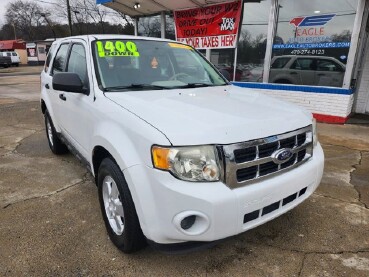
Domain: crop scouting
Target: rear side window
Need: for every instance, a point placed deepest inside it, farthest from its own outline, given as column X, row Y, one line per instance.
column 60, row 59
column 280, row 62
column 77, row 62
column 49, row 57
column 14, row 54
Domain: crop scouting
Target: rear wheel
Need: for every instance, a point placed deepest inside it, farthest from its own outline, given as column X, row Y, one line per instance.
column 55, row 144
column 118, row 209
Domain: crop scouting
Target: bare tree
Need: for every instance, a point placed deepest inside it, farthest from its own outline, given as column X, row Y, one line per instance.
column 90, row 12
column 25, row 16
column 149, row 26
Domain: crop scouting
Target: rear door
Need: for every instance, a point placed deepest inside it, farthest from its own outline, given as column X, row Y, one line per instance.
column 329, row 73
column 302, row 71
column 58, row 65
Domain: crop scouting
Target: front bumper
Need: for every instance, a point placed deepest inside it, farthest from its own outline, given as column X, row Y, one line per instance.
column 161, row 200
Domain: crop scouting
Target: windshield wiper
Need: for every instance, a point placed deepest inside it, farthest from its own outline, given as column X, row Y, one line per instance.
column 133, row 86
column 196, row 85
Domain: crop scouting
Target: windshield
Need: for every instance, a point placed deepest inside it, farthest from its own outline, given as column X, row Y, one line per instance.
column 144, row 65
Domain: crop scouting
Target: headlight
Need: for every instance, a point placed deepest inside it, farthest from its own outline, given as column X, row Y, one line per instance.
column 315, row 134
column 195, row 163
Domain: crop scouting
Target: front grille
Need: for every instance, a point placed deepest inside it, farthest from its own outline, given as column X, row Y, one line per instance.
column 247, row 162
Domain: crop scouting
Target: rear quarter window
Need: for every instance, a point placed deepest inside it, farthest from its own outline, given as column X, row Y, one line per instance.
column 49, row 57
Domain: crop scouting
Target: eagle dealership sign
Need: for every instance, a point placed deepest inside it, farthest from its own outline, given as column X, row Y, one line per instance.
column 214, row 26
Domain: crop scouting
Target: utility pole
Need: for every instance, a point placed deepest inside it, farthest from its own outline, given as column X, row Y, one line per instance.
column 15, row 32
column 69, row 18
column 44, row 15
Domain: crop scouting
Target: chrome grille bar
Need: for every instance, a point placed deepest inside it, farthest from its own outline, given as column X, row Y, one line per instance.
column 258, row 167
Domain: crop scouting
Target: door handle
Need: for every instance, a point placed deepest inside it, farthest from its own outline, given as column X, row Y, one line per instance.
column 47, row 86
column 62, row 97
column 321, row 74
column 293, row 73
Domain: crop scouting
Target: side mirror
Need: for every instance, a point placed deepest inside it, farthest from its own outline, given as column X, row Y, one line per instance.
column 69, row 82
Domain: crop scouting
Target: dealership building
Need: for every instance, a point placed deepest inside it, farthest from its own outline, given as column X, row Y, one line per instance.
column 313, row 53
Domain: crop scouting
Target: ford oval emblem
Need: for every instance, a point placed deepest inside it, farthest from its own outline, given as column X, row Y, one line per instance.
column 282, row 155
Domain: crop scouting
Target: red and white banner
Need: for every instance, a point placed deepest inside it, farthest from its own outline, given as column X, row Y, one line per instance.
column 214, row 26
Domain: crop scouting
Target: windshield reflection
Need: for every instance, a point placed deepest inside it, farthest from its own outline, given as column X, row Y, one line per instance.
column 145, row 65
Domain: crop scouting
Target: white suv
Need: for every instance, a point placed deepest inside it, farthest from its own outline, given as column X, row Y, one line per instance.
column 307, row 70
column 13, row 55
column 180, row 156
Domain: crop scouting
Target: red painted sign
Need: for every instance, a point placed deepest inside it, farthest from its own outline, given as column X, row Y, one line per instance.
column 214, row 26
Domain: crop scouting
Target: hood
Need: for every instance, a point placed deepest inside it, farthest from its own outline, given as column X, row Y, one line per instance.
column 212, row 115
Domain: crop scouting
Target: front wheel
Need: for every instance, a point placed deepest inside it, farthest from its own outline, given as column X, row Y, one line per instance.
column 118, row 209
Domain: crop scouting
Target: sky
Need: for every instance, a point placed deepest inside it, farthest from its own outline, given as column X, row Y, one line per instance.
column 3, row 4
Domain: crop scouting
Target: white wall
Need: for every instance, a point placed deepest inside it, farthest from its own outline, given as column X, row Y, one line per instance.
column 319, row 103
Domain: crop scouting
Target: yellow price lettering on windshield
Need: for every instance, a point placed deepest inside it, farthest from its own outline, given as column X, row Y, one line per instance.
column 117, row 49
column 179, row 45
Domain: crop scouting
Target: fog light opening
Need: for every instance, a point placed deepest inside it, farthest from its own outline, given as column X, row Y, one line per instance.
column 188, row 222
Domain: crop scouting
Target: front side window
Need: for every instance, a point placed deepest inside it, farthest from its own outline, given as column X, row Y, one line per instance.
column 77, row 62
column 144, row 65
column 327, row 65
column 280, row 62
column 60, row 58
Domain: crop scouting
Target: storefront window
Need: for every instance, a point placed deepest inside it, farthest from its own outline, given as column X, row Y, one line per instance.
column 253, row 40
column 251, row 46
column 223, row 59
column 312, row 42
column 151, row 26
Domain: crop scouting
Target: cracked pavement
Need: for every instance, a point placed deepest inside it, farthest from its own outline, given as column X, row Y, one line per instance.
column 50, row 221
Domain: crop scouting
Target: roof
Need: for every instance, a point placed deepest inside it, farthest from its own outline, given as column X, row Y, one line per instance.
column 12, row 44
column 114, row 36
column 151, row 7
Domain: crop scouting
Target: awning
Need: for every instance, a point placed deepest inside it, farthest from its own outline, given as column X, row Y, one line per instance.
column 151, row 7
column 12, row 44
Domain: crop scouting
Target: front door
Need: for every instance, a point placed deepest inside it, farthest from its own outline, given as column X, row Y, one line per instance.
column 77, row 118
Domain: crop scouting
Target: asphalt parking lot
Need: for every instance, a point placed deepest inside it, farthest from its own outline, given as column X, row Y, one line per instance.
column 50, row 222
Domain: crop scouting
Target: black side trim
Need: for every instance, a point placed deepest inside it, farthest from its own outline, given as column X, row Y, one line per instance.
column 76, row 153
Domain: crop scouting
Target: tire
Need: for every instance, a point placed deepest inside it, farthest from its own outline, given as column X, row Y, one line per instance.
column 118, row 209
column 55, row 144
